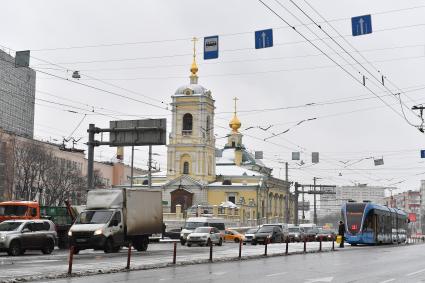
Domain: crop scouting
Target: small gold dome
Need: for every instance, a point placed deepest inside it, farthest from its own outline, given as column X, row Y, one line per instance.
column 194, row 67
column 235, row 124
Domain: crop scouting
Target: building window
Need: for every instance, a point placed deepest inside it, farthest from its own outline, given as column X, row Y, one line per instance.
column 232, row 199
column 227, row 182
column 187, row 124
column 208, row 128
column 186, row 168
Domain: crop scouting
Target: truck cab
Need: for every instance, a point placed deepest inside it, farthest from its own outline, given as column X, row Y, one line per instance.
column 19, row 210
column 100, row 229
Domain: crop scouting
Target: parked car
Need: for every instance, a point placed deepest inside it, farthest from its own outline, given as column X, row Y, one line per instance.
column 234, row 236
column 325, row 235
column 173, row 233
column 295, row 234
column 282, row 226
column 205, row 236
column 17, row 236
column 309, row 233
column 249, row 235
column 274, row 233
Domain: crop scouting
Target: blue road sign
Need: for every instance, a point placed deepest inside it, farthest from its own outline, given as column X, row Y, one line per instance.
column 361, row 25
column 263, row 38
column 422, row 153
column 211, row 47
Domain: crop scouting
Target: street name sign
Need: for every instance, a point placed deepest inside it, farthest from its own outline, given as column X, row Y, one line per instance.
column 263, row 38
column 211, row 47
column 361, row 25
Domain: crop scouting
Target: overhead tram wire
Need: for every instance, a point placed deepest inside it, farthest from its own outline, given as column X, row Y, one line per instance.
column 348, row 53
column 330, row 58
column 189, row 38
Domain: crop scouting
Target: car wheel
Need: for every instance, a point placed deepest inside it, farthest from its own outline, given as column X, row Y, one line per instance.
column 236, row 240
column 220, row 243
column 183, row 242
column 14, row 249
column 189, row 244
column 48, row 249
column 254, row 243
column 109, row 246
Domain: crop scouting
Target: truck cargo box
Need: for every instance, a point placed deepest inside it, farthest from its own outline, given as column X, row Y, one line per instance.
column 144, row 212
column 105, row 198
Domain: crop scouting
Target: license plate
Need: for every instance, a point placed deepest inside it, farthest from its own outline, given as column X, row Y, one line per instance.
column 81, row 240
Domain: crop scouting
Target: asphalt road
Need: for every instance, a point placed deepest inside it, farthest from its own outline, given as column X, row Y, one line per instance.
column 382, row 264
column 34, row 265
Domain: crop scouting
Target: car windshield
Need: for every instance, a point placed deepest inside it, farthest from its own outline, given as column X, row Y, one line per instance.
column 194, row 225
column 9, row 226
column 251, row 231
column 94, row 217
column 266, row 229
column 13, row 210
column 311, row 230
column 294, row 230
column 202, row 230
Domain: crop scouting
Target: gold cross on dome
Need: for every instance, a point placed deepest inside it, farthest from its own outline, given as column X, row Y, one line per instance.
column 194, row 40
column 235, row 99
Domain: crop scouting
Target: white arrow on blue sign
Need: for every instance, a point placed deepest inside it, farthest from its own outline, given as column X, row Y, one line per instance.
column 211, row 47
column 361, row 25
column 263, row 38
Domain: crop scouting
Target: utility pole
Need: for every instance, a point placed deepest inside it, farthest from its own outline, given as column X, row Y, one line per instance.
column 90, row 157
column 288, row 193
column 314, row 205
column 132, row 166
column 296, row 204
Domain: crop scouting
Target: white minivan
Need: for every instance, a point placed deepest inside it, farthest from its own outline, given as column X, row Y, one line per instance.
column 194, row 222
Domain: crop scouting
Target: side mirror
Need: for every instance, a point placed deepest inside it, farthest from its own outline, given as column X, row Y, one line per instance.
column 25, row 230
column 114, row 223
column 211, row 232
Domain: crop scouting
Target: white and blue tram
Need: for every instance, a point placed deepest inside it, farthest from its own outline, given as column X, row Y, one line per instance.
column 369, row 223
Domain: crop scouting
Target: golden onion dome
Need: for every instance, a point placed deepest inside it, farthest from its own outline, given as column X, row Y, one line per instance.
column 235, row 124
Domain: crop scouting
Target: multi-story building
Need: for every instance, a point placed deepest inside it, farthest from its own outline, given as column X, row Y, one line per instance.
column 11, row 156
column 17, row 95
column 410, row 202
column 422, row 209
column 330, row 204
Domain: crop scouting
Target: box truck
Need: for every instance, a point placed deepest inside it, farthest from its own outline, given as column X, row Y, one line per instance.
column 117, row 217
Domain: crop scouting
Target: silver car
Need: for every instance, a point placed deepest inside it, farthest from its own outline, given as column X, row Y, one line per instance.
column 17, row 236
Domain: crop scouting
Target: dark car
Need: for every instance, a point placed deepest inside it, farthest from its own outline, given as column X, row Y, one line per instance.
column 309, row 233
column 272, row 233
column 295, row 234
column 325, row 235
column 173, row 233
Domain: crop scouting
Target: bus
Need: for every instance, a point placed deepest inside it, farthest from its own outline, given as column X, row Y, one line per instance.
column 373, row 224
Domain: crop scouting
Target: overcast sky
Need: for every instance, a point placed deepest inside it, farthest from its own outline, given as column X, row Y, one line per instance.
column 141, row 52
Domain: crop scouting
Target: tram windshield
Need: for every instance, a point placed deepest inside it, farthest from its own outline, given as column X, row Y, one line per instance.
column 354, row 213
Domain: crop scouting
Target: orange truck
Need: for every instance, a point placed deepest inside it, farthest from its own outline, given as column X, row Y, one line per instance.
column 63, row 217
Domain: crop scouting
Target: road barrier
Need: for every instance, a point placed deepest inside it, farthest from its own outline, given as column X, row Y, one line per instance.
column 266, row 241
column 320, row 244
column 211, row 251
column 287, row 246
column 70, row 259
column 333, row 244
column 174, row 252
column 305, row 245
column 240, row 249
column 128, row 256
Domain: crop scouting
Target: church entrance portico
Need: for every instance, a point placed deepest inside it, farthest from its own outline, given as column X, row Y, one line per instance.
column 182, row 197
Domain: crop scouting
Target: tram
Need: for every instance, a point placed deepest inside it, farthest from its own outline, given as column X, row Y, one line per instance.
column 373, row 224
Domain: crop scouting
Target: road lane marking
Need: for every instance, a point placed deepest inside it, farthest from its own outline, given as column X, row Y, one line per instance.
column 276, row 274
column 218, row 273
column 324, row 279
column 389, row 280
column 416, row 272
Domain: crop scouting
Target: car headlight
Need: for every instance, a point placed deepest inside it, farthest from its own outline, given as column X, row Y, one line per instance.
column 70, row 233
column 98, row 232
column 204, row 237
column 2, row 237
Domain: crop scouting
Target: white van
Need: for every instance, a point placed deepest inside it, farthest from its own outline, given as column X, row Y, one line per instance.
column 194, row 222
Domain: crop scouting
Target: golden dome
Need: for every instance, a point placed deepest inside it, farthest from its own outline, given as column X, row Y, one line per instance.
column 235, row 124
column 194, row 67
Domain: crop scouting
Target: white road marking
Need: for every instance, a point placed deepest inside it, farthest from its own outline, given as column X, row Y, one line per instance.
column 218, row 273
column 389, row 280
column 416, row 272
column 41, row 261
column 324, row 279
column 276, row 274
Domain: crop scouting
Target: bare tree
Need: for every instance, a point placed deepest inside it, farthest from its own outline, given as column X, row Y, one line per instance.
column 40, row 174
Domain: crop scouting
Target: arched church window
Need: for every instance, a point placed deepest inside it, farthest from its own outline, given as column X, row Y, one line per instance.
column 186, row 168
column 187, row 124
column 145, row 182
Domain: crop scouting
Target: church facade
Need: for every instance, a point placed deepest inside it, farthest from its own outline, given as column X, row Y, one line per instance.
column 200, row 175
